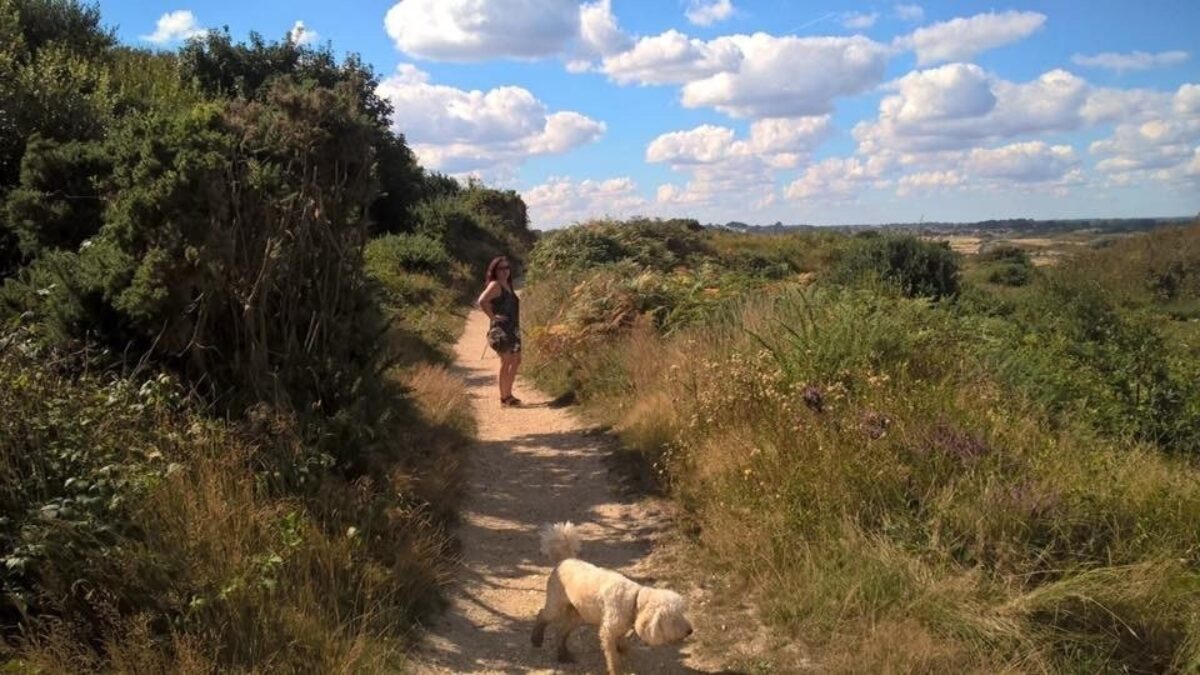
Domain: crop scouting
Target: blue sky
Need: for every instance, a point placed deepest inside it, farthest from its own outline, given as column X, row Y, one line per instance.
column 814, row 112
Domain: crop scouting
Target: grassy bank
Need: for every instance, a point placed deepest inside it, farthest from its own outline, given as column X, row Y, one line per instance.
column 143, row 535
column 913, row 466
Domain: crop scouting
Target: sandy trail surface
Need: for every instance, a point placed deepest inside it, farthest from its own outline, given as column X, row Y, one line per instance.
column 535, row 465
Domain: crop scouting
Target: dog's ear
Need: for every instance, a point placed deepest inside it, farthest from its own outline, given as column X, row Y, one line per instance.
column 648, row 624
column 660, row 618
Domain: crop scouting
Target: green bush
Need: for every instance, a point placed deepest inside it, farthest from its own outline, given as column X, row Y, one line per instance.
column 1011, row 274
column 52, row 75
column 476, row 224
column 573, row 249
column 408, row 252
column 660, row 245
column 57, row 203
column 1080, row 355
column 915, row 267
column 72, row 461
column 222, row 68
column 212, row 220
column 1003, row 252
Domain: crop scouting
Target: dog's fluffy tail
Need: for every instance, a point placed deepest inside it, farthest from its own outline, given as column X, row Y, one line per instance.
column 560, row 541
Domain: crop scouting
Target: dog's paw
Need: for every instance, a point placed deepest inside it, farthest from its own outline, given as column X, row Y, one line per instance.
column 565, row 656
column 539, row 635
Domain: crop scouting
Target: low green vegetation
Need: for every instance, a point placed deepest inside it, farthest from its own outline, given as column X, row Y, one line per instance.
column 224, row 281
column 919, row 461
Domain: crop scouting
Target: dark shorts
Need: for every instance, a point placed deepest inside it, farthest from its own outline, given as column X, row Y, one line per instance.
column 516, row 346
column 511, row 344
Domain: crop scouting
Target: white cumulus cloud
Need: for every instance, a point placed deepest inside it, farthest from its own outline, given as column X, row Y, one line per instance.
column 726, row 172
column 1160, row 137
column 708, row 12
column 598, row 30
column 1105, row 104
column 789, row 76
column 672, row 58
column 470, row 30
column 859, row 20
column 757, row 75
column 562, row 201
column 704, row 144
column 455, row 130
column 174, row 26
column 959, row 106
column 303, row 35
column 962, row 38
column 1193, row 167
column 837, row 179
column 1187, row 100
column 951, row 91
column 929, row 181
column 909, row 12
column 1033, row 161
column 773, row 141
column 1130, row 61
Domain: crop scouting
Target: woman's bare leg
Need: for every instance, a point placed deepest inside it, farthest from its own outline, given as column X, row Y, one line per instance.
column 504, row 380
column 514, row 362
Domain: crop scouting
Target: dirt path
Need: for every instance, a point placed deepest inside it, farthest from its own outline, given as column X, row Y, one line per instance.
column 532, row 466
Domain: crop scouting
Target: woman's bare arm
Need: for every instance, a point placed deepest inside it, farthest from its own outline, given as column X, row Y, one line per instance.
column 485, row 299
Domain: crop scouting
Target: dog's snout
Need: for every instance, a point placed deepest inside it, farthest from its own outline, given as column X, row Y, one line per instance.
column 689, row 632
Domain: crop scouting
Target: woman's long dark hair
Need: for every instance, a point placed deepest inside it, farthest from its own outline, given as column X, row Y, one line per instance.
column 491, row 268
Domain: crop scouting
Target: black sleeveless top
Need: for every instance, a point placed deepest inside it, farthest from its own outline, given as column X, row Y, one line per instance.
column 509, row 305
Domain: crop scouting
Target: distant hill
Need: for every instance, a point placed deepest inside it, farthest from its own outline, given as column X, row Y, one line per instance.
column 1006, row 226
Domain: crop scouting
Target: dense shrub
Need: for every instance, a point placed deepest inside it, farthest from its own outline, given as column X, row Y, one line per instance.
column 210, row 223
column 57, row 203
column 1076, row 352
column 54, row 84
column 477, row 224
column 501, row 212
column 420, row 288
column 1003, row 252
column 915, row 267
column 1005, row 265
column 660, row 245
column 575, row 248
column 52, row 76
column 407, row 252
column 73, row 459
column 1011, row 274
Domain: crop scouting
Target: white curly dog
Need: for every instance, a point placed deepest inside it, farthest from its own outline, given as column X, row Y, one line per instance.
column 579, row 592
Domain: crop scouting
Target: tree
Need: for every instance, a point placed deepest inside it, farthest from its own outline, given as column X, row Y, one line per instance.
column 53, row 83
column 222, row 68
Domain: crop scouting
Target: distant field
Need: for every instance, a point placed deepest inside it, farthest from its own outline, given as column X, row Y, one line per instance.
column 1045, row 250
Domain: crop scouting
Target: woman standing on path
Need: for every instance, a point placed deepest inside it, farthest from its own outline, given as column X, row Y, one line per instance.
column 503, row 307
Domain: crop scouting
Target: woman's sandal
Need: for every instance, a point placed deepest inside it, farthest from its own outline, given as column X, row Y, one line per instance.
column 510, row 402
